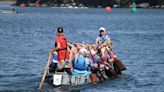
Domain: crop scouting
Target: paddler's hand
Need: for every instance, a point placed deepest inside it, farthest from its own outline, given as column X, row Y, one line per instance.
column 115, row 56
column 51, row 50
column 101, row 46
column 110, row 43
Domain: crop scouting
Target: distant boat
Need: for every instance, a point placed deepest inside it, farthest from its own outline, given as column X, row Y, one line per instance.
column 134, row 7
column 8, row 11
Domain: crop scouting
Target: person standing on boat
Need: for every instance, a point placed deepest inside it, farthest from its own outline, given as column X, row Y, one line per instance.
column 61, row 48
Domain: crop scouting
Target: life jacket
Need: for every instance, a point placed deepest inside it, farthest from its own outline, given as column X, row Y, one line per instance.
column 103, row 38
column 81, row 63
column 63, row 42
column 62, row 51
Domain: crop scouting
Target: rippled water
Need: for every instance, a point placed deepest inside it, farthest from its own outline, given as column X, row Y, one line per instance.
column 138, row 39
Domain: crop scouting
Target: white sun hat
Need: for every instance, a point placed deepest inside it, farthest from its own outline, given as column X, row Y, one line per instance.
column 102, row 29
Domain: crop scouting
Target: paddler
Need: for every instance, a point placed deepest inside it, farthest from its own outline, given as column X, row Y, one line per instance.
column 53, row 65
column 104, row 46
column 61, row 48
column 102, row 40
column 81, row 61
column 102, row 37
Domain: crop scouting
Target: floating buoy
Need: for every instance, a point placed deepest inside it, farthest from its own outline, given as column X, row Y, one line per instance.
column 134, row 7
column 108, row 9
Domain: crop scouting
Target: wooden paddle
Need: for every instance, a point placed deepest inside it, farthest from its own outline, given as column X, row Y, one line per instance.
column 46, row 69
column 118, row 62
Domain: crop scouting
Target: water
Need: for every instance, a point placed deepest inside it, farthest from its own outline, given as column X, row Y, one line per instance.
column 138, row 39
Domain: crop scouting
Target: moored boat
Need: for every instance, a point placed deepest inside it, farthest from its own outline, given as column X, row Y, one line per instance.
column 8, row 12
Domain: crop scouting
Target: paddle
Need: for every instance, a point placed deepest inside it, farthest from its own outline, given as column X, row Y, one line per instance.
column 46, row 70
column 117, row 62
column 99, row 74
column 109, row 72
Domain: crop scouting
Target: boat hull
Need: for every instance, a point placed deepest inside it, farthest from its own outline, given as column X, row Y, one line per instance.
column 65, row 79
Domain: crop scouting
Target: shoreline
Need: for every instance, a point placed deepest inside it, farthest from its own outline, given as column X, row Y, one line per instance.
column 7, row 2
column 142, row 5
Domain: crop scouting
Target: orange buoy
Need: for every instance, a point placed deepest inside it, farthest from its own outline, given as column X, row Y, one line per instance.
column 108, row 8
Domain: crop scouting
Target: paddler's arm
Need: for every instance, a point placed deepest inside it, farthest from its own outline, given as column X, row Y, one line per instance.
column 97, row 42
column 71, row 45
column 72, row 50
column 102, row 44
column 56, row 48
column 106, row 43
column 109, row 43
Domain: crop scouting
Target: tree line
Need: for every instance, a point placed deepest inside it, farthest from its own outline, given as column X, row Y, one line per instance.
column 95, row 3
